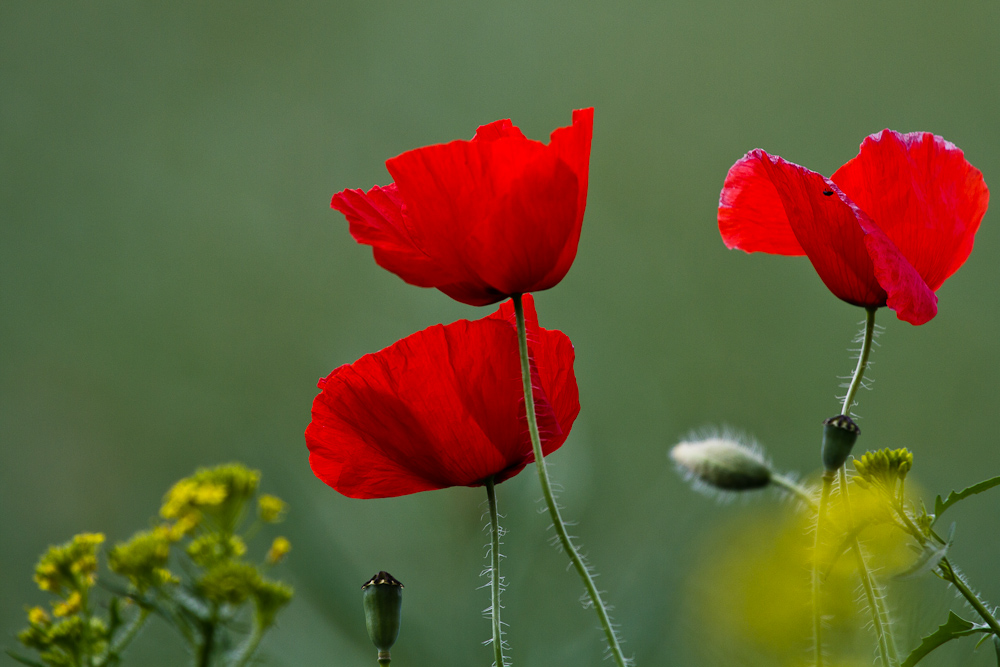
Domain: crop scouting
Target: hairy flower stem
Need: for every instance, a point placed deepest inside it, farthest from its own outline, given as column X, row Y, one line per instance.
column 550, row 501
column 948, row 573
column 956, row 580
column 491, row 495
column 880, row 617
column 824, row 499
column 859, row 372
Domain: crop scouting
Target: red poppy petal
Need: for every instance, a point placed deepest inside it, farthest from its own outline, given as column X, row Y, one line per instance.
column 450, row 188
column 551, row 355
column 752, row 215
column 920, row 190
column 519, row 242
column 826, row 227
column 498, row 129
column 572, row 144
column 442, row 407
column 376, row 219
column 908, row 294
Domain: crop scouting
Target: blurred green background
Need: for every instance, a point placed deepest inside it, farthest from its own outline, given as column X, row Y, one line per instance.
column 173, row 282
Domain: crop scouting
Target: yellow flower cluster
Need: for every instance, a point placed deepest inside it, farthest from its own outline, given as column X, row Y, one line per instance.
column 72, row 565
column 143, row 559
column 883, row 469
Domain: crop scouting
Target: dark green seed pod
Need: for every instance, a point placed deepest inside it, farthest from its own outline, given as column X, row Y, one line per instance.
column 383, row 600
column 839, row 435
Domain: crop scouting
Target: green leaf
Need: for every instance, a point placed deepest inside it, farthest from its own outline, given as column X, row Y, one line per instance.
column 954, row 627
column 941, row 505
column 23, row 660
column 929, row 557
column 996, row 645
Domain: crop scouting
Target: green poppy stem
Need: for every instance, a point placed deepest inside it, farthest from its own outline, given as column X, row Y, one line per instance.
column 880, row 617
column 824, row 500
column 491, row 495
column 550, row 501
column 859, row 372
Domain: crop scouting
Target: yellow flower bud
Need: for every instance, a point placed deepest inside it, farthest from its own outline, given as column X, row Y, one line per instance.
column 279, row 549
column 271, row 508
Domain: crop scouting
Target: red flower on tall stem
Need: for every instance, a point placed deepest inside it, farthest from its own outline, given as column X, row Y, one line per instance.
column 479, row 220
column 887, row 229
column 442, row 407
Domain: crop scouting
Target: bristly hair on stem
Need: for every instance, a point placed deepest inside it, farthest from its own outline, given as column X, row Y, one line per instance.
column 565, row 539
column 496, row 582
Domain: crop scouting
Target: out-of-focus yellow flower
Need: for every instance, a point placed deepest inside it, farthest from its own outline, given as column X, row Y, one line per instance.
column 37, row 616
column 279, row 549
column 271, row 508
column 751, row 591
column 142, row 558
column 69, row 566
column 68, row 607
column 213, row 548
column 219, row 491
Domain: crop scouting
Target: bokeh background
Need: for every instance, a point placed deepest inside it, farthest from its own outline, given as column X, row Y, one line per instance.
column 173, row 282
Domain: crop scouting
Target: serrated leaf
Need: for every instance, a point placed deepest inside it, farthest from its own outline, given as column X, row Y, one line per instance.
column 941, row 505
column 954, row 627
column 23, row 660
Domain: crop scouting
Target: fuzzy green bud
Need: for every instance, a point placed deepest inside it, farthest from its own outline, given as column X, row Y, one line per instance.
column 383, row 601
column 722, row 463
column 839, row 435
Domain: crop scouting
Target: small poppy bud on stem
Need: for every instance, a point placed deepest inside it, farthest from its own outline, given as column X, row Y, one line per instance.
column 839, row 435
column 383, row 601
column 723, row 464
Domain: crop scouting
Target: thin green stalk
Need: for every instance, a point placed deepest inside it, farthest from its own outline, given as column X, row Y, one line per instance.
column 383, row 660
column 859, row 372
column 973, row 599
column 824, row 499
column 550, row 501
column 948, row 572
column 795, row 489
column 207, row 645
column 491, row 495
column 250, row 647
column 880, row 616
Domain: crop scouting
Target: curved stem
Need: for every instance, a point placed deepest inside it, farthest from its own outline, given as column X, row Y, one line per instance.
column 973, row 599
column 796, row 490
column 880, row 617
column 824, row 499
column 250, row 647
column 491, row 495
column 550, row 501
column 859, row 372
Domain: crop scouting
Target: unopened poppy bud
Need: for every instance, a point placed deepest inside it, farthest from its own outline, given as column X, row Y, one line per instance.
column 839, row 435
column 383, row 600
column 722, row 463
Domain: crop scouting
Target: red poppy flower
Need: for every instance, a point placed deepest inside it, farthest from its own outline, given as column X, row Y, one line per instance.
column 888, row 228
column 480, row 220
column 442, row 407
